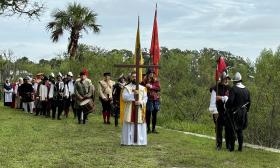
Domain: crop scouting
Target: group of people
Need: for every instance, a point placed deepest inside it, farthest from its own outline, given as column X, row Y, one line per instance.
column 229, row 107
column 43, row 95
column 52, row 95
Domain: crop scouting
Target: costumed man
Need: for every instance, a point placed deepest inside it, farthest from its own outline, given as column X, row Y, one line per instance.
column 117, row 89
column 18, row 104
column 128, row 95
column 52, row 95
column 27, row 95
column 13, row 105
column 153, row 103
column 83, row 90
column 238, row 105
column 59, row 85
column 69, row 94
column 43, row 91
column 8, row 93
column 219, row 95
column 36, row 84
column 105, row 88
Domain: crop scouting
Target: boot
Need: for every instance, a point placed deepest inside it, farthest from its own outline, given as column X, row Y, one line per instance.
column 240, row 148
column 108, row 117
column 104, row 116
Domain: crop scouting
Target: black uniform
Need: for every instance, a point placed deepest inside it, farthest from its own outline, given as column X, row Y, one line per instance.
column 26, row 92
column 117, row 88
column 59, row 98
column 223, row 90
column 237, row 107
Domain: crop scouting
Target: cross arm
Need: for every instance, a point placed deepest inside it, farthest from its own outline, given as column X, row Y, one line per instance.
column 135, row 66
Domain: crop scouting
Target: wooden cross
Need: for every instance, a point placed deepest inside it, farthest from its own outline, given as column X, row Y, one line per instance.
column 137, row 66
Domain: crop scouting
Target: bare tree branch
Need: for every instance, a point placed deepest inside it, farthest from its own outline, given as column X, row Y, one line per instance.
column 21, row 7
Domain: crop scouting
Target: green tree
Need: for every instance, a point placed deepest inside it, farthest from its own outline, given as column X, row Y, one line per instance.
column 74, row 19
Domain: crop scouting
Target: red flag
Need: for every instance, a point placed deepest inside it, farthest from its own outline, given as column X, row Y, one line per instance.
column 155, row 50
column 221, row 67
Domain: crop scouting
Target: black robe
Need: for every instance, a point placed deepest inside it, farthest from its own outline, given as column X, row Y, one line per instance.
column 237, row 106
column 26, row 91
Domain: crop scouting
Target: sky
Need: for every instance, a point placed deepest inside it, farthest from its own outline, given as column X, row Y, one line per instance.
column 242, row 27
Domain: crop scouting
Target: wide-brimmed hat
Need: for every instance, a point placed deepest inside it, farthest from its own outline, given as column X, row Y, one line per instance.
column 39, row 74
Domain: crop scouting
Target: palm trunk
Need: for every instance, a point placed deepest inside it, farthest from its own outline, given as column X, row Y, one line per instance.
column 73, row 44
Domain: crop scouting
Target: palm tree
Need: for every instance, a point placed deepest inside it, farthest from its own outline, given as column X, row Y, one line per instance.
column 75, row 19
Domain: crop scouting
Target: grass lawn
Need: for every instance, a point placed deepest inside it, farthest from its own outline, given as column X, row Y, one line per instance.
column 29, row 141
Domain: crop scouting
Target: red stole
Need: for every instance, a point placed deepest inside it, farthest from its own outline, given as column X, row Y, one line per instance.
column 133, row 112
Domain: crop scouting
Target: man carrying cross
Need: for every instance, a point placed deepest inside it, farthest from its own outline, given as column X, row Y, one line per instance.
column 129, row 96
column 135, row 98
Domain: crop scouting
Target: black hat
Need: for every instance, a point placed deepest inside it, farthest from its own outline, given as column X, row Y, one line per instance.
column 45, row 78
column 107, row 74
column 150, row 71
column 26, row 78
column 82, row 73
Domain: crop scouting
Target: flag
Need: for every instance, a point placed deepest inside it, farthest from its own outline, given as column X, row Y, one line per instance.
column 221, row 67
column 155, row 50
column 138, row 51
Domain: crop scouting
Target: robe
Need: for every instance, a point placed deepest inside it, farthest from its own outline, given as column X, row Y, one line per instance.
column 8, row 94
column 129, row 120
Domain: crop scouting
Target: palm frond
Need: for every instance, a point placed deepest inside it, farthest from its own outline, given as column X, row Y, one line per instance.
column 74, row 19
column 56, row 34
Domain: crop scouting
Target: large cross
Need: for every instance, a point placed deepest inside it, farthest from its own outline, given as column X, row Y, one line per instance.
column 137, row 66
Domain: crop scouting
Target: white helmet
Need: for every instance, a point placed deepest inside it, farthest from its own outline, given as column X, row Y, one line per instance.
column 52, row 75
column 237, row 77
column 70, row 74
column 225, row 75
column 59, row 75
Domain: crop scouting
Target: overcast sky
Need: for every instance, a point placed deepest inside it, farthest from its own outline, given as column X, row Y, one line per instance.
column 243, row 27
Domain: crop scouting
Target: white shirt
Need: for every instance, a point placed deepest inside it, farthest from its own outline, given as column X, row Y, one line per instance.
column 71, row 87
column 43, row 90
column 51, row 92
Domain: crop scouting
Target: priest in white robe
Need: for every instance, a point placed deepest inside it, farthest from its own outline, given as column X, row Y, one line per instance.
column 128, row 96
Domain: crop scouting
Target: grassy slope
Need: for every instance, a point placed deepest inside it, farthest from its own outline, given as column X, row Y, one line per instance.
column 29, row 141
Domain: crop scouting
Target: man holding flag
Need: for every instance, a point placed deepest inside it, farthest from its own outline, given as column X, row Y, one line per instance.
column 219, row 95
column 151, row 83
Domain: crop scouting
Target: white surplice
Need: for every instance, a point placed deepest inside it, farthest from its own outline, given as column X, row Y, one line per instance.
column 128, row 127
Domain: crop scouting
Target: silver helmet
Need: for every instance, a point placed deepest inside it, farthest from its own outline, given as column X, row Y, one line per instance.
column 70, row 74
column 52, row 75
column 59, row 75
column 237, row 77
column 225, row 75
